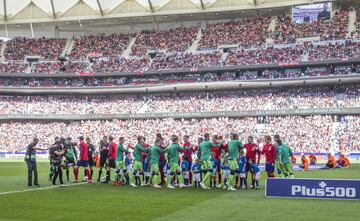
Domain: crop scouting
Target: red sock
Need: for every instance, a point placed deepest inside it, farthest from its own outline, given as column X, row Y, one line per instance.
column 87, row 172
column 76, row 173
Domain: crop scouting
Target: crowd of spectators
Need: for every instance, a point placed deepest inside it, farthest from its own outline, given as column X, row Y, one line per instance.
column 264, row 56
column 301, row 134
column 91, row 80
column 112, row 65
column 60, row 67
column 246, row 99
column 186, row 61
column 69, row 105
column 13, row 67
column 193, row 61
column 246, row 33
column 266, row 99
column 348, row 133
column 173, row 40
column 47, row 48
column 287, row 31
column 336, row 50
column 100, row 45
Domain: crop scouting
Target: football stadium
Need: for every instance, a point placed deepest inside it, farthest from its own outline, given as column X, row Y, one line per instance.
column 179, row 110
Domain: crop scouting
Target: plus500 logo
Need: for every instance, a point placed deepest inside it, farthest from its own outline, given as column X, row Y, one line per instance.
column 324, row 192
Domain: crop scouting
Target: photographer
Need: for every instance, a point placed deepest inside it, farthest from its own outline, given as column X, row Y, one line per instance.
column 55, row 159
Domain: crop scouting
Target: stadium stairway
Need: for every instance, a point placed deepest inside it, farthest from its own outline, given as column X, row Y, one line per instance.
column 2, row 50
column 271, row 29
column 193, row 47
column 144, row 107
column 352, row 20
column 126, row 53
column 68, row 47
column 224, row 56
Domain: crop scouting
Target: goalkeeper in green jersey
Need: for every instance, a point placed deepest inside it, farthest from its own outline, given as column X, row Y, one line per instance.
column 283, row 154
column 173, row 154
column 204, row 152
column 234, row 147
column 155, row 153
column 138, row 166
column 119, row 162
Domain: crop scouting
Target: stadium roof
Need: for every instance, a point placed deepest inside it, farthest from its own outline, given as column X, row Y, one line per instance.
column 36, row 11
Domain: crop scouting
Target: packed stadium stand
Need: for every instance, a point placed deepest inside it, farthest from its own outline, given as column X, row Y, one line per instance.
column 236, row 67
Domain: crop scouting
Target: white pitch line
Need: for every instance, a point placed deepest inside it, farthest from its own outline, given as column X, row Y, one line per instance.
column 42, row 188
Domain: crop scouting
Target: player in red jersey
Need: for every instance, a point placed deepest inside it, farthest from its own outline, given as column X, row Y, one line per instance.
column 195, row 149
column 217, row 157
column 269, row 151
column 111, row 160
column 187, row 156
column 252, row 150
column 84, row 160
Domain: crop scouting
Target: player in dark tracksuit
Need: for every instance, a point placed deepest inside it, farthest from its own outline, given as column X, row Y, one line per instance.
column 91, row 154
column 104, row 154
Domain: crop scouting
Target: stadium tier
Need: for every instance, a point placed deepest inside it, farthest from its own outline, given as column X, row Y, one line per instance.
column 218, row 44
column 282, row 55
column 304, row 134
column 235, row 100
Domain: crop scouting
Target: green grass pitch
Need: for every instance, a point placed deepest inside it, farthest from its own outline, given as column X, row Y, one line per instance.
column 92, row 202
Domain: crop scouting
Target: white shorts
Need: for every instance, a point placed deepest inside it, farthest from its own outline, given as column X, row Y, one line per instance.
column 129, row 168
column 242, row 175
column 214, row 171
column 147, row 173
column 257, row 176
column 186, row 174
column 226, row 173
column 197, row 177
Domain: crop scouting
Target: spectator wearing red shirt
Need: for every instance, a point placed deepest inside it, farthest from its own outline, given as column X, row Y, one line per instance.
column 252, row 150
column 269, row 151
column 84, row 160
column 112, row 157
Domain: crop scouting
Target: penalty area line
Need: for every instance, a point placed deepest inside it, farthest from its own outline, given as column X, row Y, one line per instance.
column 41, row 188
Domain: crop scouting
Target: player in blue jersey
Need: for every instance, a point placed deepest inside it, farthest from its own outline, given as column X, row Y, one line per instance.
column 196, row 170
column 225, row 169
column 242, row 171
column 185, row 169
column 255, row 173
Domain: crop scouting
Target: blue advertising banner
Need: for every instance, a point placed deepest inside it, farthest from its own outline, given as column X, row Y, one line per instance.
column 313, row 188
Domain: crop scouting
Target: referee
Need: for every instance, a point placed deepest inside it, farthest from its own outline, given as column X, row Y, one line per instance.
column 30, row 159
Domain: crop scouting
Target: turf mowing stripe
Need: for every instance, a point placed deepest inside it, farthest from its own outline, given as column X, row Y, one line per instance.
column 42, row 188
